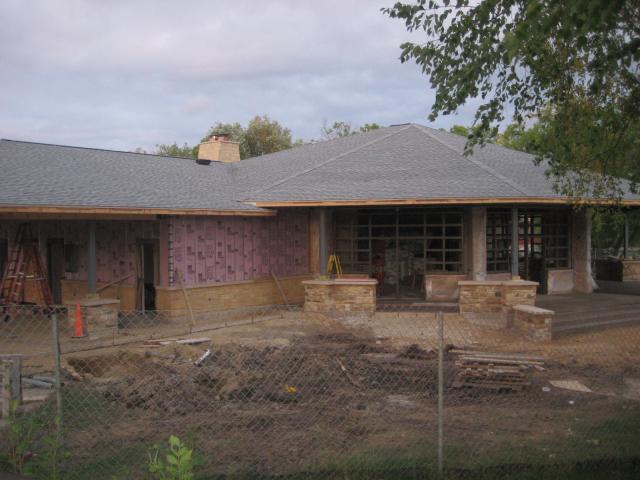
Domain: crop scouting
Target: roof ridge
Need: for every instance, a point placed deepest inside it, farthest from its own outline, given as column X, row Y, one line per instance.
column 93, row 148
column 321, row 164
column 477, row 163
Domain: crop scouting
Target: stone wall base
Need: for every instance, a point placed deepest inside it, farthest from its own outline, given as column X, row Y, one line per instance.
column 442, row 288
column 489, row 303
column 536, row 323
column 74, row 290
column 560, row 280
column 341, row 297
column 97, row 314
column 227, row 296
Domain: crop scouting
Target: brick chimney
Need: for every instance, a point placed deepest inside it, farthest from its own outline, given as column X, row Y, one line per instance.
column 218, row 148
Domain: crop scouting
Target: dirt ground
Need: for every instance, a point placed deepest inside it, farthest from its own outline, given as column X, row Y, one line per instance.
column 299, row 392
column 285, row 395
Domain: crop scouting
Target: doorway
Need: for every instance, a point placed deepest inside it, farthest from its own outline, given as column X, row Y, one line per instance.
column 147, row 274
column 4, row 255
column 55, row 267
column 543, row 243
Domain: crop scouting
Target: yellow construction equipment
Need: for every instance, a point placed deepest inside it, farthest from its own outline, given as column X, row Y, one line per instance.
column 334, row 263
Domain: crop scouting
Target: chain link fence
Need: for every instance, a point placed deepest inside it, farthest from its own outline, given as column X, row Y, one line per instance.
column 273, row 392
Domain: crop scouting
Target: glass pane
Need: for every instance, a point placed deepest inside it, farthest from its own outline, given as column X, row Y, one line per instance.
column 383, row 231
column 453, row 256
column 434, row 219
column 410, row 219
column 417, row 231
column 434, row 231
column 434, row 244
column 453, row 244
column 453, row 231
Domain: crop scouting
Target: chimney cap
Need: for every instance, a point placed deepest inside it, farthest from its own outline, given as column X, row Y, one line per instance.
column 222, row 134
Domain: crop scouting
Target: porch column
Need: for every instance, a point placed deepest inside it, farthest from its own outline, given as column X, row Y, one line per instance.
column 324, row 240
column 515, row 244
column 626, row 236
column 478, row 243
column 581, row 251
column 91, row 262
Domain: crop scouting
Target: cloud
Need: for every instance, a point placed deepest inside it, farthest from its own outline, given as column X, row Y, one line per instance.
column 200, row 39
column 196, row 104
column 123, row 74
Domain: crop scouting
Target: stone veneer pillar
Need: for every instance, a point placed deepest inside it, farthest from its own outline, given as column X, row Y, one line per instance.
column 581, row 251
column 478, row 232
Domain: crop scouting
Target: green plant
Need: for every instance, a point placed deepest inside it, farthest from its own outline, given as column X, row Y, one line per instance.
column 177, row 464
column 20, row 437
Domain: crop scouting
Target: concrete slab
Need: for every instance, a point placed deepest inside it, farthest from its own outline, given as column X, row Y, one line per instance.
column 585, row 302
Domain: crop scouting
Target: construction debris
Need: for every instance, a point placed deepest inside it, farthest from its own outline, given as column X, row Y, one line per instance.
column 573, row 385
column 496, row 371
column 185, row 341
column 202, row 358
column 33, row 383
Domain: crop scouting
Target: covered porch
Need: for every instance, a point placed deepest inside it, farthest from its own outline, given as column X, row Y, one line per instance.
column 484, row 258
column 421, row 252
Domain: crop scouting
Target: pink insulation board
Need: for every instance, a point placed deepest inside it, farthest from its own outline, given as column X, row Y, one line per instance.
column 206, row 250
column 229, row 249
column 115, row 244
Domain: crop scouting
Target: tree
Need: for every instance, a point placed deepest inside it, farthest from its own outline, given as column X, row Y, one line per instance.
column 578, row 59
column 343, row 129
column 518, row 137
column 175, row 150
column 171, row 150
column 367, row 127
column 337, row 130
column 460, row 130
column 261, row 136
column 264, row 135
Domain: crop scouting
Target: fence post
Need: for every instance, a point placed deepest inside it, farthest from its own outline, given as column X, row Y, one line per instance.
column 56, row 355
column 7, row 390
column 440, row 318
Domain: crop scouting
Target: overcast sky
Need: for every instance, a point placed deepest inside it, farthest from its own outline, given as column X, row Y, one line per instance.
column 123, row 74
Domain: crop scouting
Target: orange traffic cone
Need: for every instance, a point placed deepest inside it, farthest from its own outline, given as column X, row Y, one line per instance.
column 79, row 326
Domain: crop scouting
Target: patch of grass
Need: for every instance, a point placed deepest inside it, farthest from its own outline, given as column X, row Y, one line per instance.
column 113, row 463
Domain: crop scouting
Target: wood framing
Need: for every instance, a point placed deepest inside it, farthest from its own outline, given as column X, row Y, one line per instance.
column 17, row 211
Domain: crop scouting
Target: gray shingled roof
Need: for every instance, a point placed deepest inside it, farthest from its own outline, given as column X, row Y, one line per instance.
column 36, row 174
column 398, row 162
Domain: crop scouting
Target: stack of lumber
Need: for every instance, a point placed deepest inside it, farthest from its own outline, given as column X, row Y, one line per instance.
column 496, row 371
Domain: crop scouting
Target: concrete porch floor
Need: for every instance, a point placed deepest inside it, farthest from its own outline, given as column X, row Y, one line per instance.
column 580, row 312
column 585, row 302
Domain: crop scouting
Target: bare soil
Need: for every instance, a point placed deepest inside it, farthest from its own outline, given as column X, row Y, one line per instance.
column 288, row 395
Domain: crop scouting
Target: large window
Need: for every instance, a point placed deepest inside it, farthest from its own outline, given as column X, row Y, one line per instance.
column 398, row 246
column 498, row 241
column 543, row 241
column 444, row 242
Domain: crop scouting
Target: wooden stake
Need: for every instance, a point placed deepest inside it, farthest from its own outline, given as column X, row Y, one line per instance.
column 284, row 297
column 186, row 297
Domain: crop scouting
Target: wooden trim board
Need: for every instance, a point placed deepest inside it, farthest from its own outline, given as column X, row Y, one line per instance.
column 9, row 211
column 439, row 201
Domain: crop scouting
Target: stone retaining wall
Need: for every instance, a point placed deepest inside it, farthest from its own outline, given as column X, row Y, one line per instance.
column 630, row 270
column 534, row 322
column 490, row 302
column 340, row 297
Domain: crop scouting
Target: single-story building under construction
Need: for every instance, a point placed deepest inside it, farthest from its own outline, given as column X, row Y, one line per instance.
column 400, row 206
